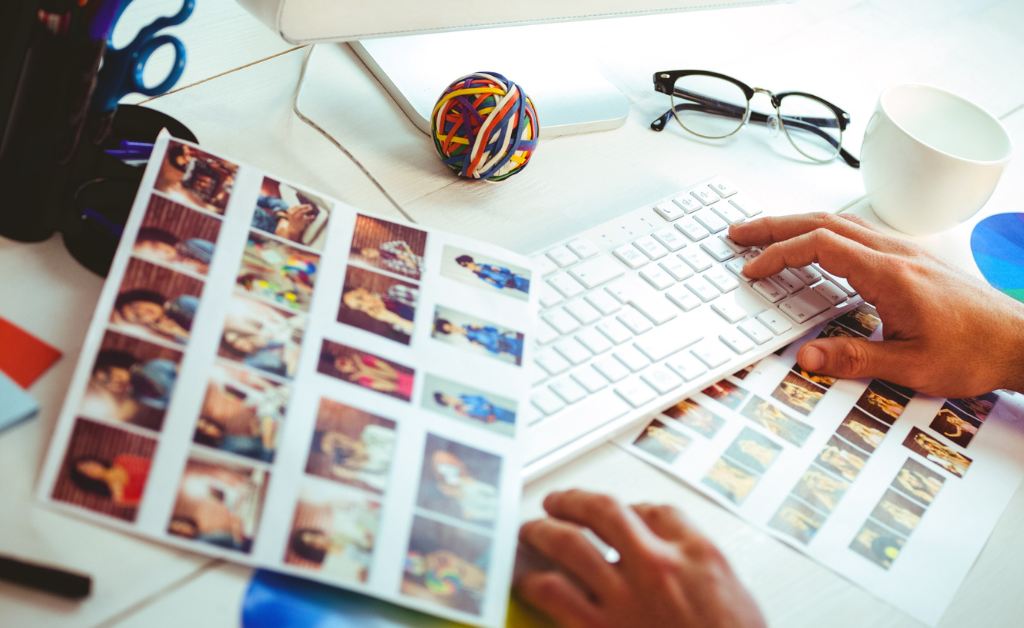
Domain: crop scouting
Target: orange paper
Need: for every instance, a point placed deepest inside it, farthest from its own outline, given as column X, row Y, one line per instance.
column 23, row 357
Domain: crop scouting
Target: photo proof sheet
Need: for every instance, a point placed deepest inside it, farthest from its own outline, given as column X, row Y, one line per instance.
column 895, row 490
column 276, row 378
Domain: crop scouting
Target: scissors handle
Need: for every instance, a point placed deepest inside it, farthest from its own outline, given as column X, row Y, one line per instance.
column 135, row 79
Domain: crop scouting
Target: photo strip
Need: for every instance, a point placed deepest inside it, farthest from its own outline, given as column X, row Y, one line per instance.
column 446, row 565
column 798, row 393
column 193, row 176
column 958, row 427
column 842, row 458
column 177, row 237
column 978, row 407
column 862, row 431
column 389, row 246
column 935, row 452
column 156, row 302
column 797, row 520
column 379, row 304
column 775, row 421
column 485, row 272
column 261, row 336
column 278, row 273
column 730, row 480
column 753, row 450
column 878, row 544
column 820, row 489
column 726, row 393
column 351, row 447
column 366, row 370
column 696, row 417
column 898, row 513
column 131, row 382
column 105, row 470
column 459, row 481
column 882, row 402
column 918, row 482
column 863, row 320
column 292, row 214
column 470, row 405
column 662, row 442
column 477, row 336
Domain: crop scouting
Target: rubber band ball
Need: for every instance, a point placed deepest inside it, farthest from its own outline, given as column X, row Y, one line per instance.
column 485, row 127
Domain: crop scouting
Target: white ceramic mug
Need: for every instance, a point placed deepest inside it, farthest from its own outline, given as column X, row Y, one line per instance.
column 931, row 159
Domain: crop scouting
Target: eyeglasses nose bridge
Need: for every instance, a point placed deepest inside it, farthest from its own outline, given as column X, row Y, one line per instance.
column 770, row 94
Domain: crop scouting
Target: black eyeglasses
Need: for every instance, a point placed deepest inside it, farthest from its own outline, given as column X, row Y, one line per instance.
column 714, row 106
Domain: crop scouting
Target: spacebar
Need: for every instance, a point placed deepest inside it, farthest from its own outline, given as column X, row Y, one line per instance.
column 665, row 341
column 567, row 425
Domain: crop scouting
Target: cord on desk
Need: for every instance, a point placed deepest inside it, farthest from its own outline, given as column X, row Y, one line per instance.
column 330, row 138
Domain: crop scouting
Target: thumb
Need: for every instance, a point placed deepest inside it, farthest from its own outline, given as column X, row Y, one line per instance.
column 852, row 358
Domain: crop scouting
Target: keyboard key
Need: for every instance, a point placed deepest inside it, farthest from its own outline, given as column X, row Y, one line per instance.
column 686, row 366
column 633, row 359
column 723, row 187
column 552, row 362
column 568, row 286
column 756, row 331
column 661, row 343
column 736, row 341
column 729, row 310
column 774, row 321
column 669, row 238
column 545, row 333
column 537, row 374
column 654, row 306
column 752, row 254
column 676, row 267
column 704, row 195
column 549, row 296
column 661, row 379
column 804, row 306
column 589, row 379
column 732, row 244
column 712, row 353
column 682, row 297
column 722, row 280
column 692, row 230
column 604, row 302
column 614, row 331
column 611, row 368
column 728, row 213
column 717, row 249
column 622, row 289
column 561, row 321
column 594, row 340
column 545, row 265
column 807, row 274
column 710, row 221
column 583, row 312
column 635, row 392
column 769, row 290
column 657, row 277
column 547, row 401
column 735, row 266
column 634, row 321
column 594, row 272
column 568, row 390
column 562, row 256
column 842, row 283
column 573, row 351
column 632, row 257
column 832, row 293
column 700, row 287
column 650, row 247
column 669, row 211
column 789, row 281
column 583, row 248
column 698, row 260
column 745, row 205
column 687, row 203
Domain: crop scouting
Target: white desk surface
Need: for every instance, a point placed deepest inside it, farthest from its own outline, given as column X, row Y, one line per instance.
column 236, row 95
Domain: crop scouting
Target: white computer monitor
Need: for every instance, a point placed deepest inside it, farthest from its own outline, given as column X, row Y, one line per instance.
column 408, row 45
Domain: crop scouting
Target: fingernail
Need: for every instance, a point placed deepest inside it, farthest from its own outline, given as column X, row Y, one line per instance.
column 812, row 358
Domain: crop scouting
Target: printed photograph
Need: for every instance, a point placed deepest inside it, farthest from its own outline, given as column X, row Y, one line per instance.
column 978, row 407
column 835, row 330
column 333, row 532
column 156, row 302
column 277, row 272
column 446, row 565
column 219, row 504
column 662, row 442
column 486, row 272
column 822, row 380
column 468, row 404
column 842, row 458
column 726, row 393
column 459, row 481
column 935, row 452
column 862, row 320
column 746, row 370
column 882, row 402
column 696, row 417
column 176, row 236
column 862, row 431
column 820, row 489
column 898, row 512
column 798, row 393
column 770, row 417
column 730, row 481
column 918, row 481
column 291, row 213
column 351, row 446
column 379, row 304
column 952, row 423
column 262, row 336
column 477, row 336
column 242, row 413
column 104, row 470
column 193, row 176
column 797, row 520
column 753, row 450
column 903, row 390
column 877, row 544
column 367, row 370
column 389, row 246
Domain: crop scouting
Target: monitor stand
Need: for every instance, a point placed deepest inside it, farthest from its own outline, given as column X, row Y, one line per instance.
column 569, row 95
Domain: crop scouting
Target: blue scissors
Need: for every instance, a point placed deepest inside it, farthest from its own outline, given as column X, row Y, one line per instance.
column 122, row 69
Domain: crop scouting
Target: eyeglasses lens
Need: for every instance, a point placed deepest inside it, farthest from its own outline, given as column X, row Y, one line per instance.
column 811, row 127
column 708, row 106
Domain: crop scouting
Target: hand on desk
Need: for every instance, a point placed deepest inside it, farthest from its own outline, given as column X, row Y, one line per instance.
column 945, row 333
column 669, row 575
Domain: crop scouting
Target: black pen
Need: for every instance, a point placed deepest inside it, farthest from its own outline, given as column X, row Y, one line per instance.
column 49, row 579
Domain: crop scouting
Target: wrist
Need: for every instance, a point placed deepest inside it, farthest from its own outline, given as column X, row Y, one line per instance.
column 1013, row 377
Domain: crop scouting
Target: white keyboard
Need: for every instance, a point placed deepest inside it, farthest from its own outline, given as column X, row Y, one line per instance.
column 643, row 310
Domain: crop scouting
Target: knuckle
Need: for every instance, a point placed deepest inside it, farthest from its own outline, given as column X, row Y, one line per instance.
column 542, row 586
column 602, row 506
column 857, row 220
column 701, row 548
column 854, row 359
